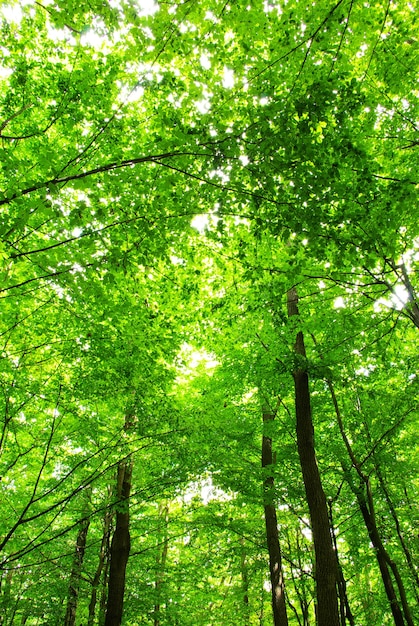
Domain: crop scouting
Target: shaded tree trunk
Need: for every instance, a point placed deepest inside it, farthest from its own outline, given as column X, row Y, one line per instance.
column 120, row 547
column 271, row 524
column 102, row 556
column 406, row 550
column 74, row 585
column 325, row 558
column 381, row 555
column 364, row 498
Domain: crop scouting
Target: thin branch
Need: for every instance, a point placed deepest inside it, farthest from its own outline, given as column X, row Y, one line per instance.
column 154, row 158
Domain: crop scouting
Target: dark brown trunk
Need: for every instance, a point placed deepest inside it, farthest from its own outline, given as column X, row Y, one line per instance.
column 325, row 558
column 366, row 506
column 74, row 586
column 406, row 550
column 381, row 558
column 271, row 523
column 120, row 547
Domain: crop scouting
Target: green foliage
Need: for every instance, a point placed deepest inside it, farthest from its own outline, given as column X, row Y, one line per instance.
column 169, row 172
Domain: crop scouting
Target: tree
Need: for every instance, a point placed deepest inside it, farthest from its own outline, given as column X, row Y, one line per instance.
column 169, row 174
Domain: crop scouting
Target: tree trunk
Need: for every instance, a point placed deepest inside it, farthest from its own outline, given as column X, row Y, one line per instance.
column 381, row 558
column 120, row 547
column 325, row 559
column 345, row 609
column 275, row 559
column 74, row 585
column 366, row 506
column 406, row 550
column 96, row 578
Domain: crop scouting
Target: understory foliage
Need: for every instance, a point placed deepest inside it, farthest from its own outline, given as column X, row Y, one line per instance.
column 170, row 172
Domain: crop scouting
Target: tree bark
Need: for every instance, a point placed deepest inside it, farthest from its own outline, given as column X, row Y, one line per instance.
column 74, row 585
column 325, row 559
column 271, row 524
column 120, row 547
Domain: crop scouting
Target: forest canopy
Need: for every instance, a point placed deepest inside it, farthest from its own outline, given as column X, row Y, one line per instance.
column 209, row 316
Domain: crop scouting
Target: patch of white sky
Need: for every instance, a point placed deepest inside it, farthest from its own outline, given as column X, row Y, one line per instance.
column 396, row 300
column 250, row 394
column 209, row 15
column 365, row 370
column 205, row 61
column 205, row 489
column 204, row 106
column 13, row 13
column 201, row 223
column 176, row 260
column 228, row 78
column 221, row 174
column 191, row 360
column 268, row 7
column 339, row 303
column 93, row 35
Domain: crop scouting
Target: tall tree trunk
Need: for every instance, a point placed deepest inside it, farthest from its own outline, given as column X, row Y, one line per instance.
column 366, row 505
column 271, row 523
column 120, row 547
column 325, row 558
column 75, row 576
column 102, row 555
column 381, row 555
column 406, row 550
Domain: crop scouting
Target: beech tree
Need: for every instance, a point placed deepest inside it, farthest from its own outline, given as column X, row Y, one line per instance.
column 175, row 176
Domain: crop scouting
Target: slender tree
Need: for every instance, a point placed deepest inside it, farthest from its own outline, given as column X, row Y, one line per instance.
column 279, row 607
column 120, row 546
column 325, row 564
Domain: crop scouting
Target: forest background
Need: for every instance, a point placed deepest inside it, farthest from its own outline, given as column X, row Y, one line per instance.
column 209, row 252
